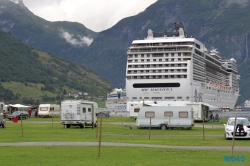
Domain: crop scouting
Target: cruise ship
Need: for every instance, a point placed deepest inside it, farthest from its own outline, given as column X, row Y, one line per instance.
column 169, row 66
column 116, row 100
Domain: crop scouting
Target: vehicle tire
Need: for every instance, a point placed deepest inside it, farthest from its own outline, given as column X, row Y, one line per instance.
column 68, row 125
column 163, row 127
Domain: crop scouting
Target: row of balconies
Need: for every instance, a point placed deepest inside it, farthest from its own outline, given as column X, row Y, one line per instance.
column 158, row 60
column 182, row 71
column 157, row 77
column 159, row 50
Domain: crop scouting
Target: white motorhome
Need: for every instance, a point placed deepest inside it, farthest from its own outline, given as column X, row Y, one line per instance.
column 48, row 110
column 165, row 117
column 2, row 110
column 78, row 113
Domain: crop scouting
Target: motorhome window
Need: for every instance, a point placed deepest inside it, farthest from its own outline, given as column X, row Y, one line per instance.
column 150, row 114
column 83, row 110
column 89, row 109
column 183, row 114
column 43, row 108
column 168, row 113
column 136, row 109
column 52, row 108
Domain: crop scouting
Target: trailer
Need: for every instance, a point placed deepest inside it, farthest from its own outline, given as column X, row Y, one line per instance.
column 2, row 110
column 48, row 110
column 78, row 113
column 200, row 110
column 165, row 117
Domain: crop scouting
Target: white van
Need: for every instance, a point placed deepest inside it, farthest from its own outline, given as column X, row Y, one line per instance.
column 48, row 110
column 78, row 113
column 165, row 117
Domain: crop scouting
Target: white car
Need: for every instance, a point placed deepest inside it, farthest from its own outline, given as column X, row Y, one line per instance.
column 242, row 128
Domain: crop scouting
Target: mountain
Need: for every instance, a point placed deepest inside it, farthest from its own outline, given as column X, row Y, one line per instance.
column 66, row 40
column 28, row 75
column 222, row 24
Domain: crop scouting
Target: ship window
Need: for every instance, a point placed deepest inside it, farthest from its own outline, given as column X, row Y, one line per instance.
column 134, row 97
column 172, row 54
column 197, row 45
column 157, row 98
column 89, row 109
column 183, row 114
column 83, row 110
column 168, row 113
column 169, row 98
column 156, row 85
column 179, row 54
column 179, row 97
column 142, row 55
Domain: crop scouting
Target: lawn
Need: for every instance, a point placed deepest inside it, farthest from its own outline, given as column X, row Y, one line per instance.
column 114, row 130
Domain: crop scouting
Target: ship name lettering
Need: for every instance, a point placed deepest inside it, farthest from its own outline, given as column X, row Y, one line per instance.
column 160, row 89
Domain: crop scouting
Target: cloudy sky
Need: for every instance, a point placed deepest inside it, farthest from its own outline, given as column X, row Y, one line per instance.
column 96, row 15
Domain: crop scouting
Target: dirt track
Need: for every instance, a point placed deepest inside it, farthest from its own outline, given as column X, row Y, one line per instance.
column 219, row 148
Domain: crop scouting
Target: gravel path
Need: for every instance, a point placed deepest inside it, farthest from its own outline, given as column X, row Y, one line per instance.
column 219, row 148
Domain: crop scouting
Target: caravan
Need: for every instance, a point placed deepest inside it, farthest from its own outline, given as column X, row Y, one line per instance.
column 48, row 110
column 78, row 113
column 165, row 117
column 200, row 109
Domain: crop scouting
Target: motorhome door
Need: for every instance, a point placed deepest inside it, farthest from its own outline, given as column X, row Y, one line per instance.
column 86, row 112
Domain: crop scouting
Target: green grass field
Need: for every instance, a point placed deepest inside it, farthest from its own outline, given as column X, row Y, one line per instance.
column 113, row 130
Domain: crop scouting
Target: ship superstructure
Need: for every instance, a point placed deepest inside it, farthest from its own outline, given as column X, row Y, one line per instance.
column 171, row 67
column 116, row 100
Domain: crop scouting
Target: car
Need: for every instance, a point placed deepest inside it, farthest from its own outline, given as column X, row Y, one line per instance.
column 19, row 114
column 241, row 127
column 104, row 114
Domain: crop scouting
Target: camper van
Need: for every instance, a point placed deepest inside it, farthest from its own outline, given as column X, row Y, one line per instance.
column 2, row 110
column 165, row 117
column 48, row 110
column 78, row 113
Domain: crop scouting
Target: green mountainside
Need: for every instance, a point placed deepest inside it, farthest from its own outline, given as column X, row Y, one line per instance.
column 67, row 40
column 31, row 76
